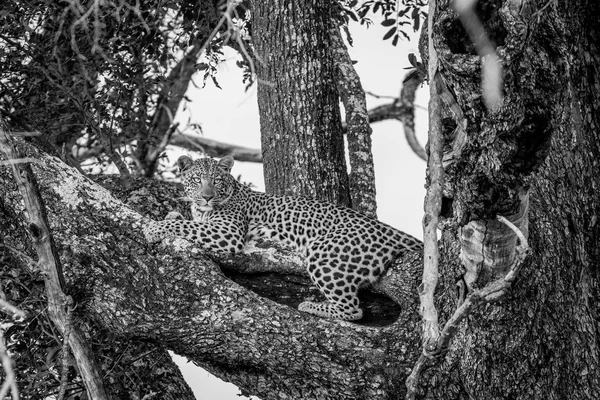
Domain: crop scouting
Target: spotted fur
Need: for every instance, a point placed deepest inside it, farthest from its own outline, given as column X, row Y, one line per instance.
column 344, row 249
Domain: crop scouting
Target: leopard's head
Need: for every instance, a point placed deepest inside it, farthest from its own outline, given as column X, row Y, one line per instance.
column 206, row 181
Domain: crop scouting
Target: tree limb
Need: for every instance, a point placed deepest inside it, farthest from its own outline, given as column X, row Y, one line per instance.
column 175, row 294
column 213, row 148
column 433, row 206
column 176, row 85
column 49, row 261
column 358, row 130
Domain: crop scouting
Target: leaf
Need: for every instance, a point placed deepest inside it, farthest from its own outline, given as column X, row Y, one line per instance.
column 417, row 19
column 389, row 33
column 412, row 59
column 353, row 3
column 388, row 22
column 395, row 40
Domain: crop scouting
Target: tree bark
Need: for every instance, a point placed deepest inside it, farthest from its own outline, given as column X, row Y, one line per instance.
column 302, row 139
column 177, row 296
column 540, row 341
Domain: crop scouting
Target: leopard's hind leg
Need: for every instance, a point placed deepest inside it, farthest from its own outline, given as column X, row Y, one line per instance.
column 330, row 270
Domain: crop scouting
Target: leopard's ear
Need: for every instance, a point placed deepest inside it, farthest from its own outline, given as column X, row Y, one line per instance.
column 184, row 163
column 226, row 163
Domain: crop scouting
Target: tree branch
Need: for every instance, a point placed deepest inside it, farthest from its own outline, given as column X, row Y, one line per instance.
column 358, row 130
column 176, row 85
column 213, row 148
column 403, row 110
column 175, row 294
column 49, row 261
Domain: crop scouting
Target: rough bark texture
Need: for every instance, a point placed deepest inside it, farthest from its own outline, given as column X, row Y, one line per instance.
column 541, row 340
column 358, row 130
column 174, row 295
column 131, row 368
column 302, row 141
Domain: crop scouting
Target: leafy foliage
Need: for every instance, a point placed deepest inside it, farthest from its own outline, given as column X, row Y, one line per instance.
column 90, row 76
column 396, row 14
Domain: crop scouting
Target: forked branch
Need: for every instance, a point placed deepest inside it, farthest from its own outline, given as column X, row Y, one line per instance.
column 489, row 293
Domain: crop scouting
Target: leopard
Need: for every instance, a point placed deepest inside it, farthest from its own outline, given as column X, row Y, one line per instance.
column 343, row 249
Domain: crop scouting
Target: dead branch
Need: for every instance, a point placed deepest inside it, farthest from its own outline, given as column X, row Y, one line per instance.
column 49, row 262
column 433, row 204
column 493, row 291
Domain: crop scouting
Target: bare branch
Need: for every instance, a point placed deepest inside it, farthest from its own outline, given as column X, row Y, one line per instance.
column 49, row 261
column 433, row 205
column 493, row 241
column 26, row 133
column 213, row 148
column 18, row 161
column 403, row 110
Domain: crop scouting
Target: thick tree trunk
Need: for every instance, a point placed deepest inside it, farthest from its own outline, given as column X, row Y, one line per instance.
column 538, row 342
column 541, row 340
column 176, row 296
column 302, row 138
column 131, row 368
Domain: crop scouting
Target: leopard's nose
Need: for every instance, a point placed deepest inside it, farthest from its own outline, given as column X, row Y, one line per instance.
column 207, row 197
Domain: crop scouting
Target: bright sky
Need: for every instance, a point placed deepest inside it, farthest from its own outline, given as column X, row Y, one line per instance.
column 231, row 115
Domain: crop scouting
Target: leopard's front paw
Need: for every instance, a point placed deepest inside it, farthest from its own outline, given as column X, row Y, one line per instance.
column 152, row 232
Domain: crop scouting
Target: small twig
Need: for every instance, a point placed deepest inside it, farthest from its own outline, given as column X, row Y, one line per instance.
column 19, row 160
column 116, row 362
column 26, row 133
column 379, row 96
